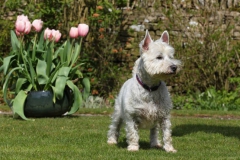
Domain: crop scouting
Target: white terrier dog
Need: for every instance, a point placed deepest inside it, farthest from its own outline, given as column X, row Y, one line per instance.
column 144, row 101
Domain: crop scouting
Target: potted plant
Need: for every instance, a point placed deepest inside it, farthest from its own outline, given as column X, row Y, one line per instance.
column 43, row 65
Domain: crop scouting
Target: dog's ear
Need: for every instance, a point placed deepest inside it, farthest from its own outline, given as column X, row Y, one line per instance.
column 146, row 41
column 165, row 37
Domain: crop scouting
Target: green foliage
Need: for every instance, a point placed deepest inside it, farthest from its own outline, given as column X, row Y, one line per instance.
column 4, row 36
column 211, row 99
column 104, row 47
column 209, row 55
column 52, row 12
column 13, row 4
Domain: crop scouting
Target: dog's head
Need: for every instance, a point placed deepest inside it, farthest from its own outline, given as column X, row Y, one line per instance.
column 158, row 56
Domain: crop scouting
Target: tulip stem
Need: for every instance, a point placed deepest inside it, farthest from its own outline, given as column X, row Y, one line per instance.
column 34, row 47
column 25, row 64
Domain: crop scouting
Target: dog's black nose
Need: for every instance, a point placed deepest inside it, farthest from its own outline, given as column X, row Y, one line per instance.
column 173, row 68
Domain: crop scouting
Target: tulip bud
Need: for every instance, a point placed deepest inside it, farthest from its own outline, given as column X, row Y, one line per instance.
column 83, row 30
column 37, row 24
column 73, row 32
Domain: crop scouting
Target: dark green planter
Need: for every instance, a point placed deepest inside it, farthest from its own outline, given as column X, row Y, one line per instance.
column 40, row 104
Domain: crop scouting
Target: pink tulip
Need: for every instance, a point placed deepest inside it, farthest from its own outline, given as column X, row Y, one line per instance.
column 37, row 24
column 56, row 35
column 73, row 32
column 22, row 18
column 83, row 30
column 28, row 27
column 17, row 33
column 48, row 34
column 52, row 34
column 22, row 25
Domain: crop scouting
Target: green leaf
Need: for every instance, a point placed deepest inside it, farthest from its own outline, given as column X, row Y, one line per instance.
column 18, row 105
column 86, row 90
column 42, row 77
column 61, row 81
column 76, row 72
column 64, row 71
column 66, row 51
column 54, row 95
column 15, row 42
column 29, row 88
column 77, row 103
column 49, row 55
column 6, row 63
column 58, row 51
column 19, row 84
column 32, row 71
column 5, row 85
column 76, row 52
column 41, row 42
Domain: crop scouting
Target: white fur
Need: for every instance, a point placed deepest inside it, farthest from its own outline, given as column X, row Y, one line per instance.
column 140, row 108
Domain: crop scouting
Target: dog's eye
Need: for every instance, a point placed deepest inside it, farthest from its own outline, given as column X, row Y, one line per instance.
column 159, row 57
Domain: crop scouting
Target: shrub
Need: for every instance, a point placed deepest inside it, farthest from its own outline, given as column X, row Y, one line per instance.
column 103, row 48
column 207, row 51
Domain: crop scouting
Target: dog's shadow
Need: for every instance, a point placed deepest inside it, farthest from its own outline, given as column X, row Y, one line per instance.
column 143, row 144
column 186, row 129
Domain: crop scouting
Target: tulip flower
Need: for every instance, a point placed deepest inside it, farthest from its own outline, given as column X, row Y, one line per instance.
column 22, row 25
column 73, row 32
column 83, row 30
column 48, row 34
column 22, row 18
column 56, row 35
column 37, row 25
column 17, row 33
column 28, row 27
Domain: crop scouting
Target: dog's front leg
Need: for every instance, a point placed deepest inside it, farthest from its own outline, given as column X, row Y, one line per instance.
column 154, row 137
column 132, row 135
column 167, row 139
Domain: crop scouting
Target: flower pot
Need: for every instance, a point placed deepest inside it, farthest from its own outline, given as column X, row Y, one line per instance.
column 40, row 104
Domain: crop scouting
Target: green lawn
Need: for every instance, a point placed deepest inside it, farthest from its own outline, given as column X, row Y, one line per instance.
column 84, row 137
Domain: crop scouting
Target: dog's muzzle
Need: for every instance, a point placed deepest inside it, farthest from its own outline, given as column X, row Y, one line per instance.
column 173, row 68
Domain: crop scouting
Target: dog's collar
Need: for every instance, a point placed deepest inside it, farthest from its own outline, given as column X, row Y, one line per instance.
column 150, row 89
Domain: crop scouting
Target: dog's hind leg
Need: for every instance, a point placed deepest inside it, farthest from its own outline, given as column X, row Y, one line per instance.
column 154, row 137
column 114, row 128
column 167, row 139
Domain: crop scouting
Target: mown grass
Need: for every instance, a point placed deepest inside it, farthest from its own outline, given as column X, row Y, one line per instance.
column 84, row 137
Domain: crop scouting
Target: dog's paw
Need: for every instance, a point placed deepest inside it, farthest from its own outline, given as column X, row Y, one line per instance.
column 111, row 141
column 157, row 146
column 169, row 149
column 133, row 148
